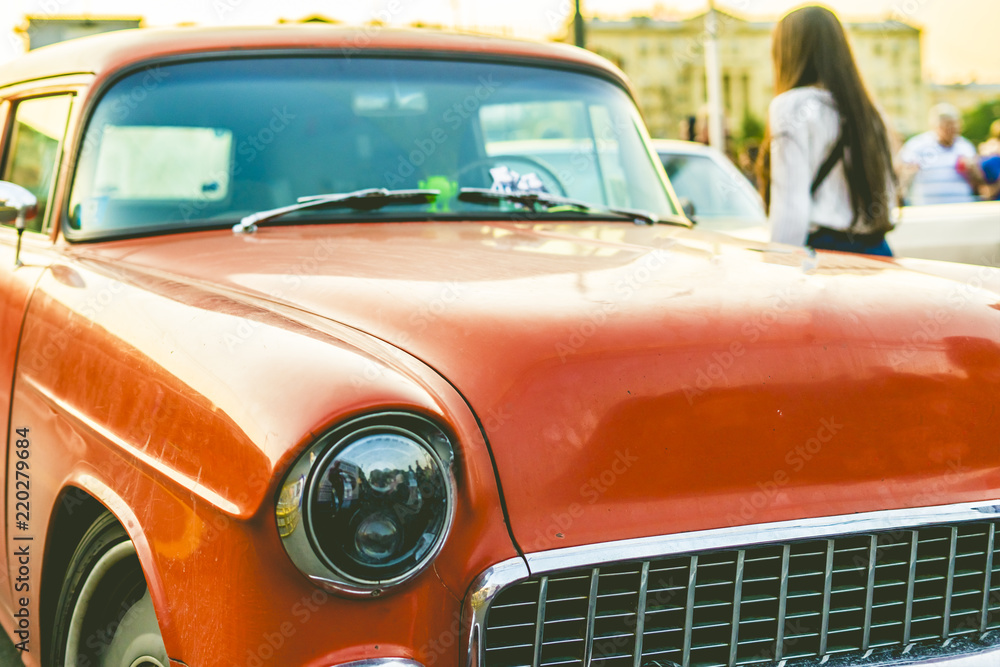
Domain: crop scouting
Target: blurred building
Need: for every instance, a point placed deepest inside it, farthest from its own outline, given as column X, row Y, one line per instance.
column 665, row 60
column 44, row 30
column 965, row 96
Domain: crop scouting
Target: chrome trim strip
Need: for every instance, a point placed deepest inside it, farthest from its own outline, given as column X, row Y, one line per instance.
column 910, row 581
column 737, row 600
column 779, row 641
column 989, row 579
column 477, row 604
column 689, row 609
column 869, row 592
column 640, row 615
column 543, row 593
column 827, row 589
column 382, row 662
column 588, row 645
column 950, row 585
column 643, row 548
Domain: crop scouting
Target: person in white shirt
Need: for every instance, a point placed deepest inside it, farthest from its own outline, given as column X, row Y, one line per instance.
column 825, row 164
column 929, row 162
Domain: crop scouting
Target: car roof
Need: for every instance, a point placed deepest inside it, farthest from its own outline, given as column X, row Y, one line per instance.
column 109, row 52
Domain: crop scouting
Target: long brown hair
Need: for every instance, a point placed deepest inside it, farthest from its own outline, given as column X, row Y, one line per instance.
column 809, row 47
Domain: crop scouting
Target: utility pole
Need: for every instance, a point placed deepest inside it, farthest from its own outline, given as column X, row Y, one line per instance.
column 578, row 35
column 716, row 128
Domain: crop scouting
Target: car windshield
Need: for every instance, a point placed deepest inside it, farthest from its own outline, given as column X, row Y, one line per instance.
column 722, row 197
column 206, row 143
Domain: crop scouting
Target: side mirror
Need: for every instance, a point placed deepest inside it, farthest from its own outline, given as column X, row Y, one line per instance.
column 688, row 207
column 17, row 205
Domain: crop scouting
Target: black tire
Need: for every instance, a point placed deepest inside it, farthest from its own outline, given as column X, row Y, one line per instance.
column 105, row 617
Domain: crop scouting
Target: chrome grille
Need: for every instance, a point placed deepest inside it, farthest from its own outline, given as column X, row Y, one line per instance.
column 842, row 597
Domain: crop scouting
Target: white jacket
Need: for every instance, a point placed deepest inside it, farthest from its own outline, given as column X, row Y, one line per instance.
column 805, row 126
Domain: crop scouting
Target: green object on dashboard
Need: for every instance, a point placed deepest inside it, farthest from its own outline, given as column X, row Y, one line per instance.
column 448, row 189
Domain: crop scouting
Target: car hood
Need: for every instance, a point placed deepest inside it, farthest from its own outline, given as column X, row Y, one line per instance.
column 634, row 380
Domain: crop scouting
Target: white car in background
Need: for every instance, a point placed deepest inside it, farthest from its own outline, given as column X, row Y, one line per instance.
column 968, row 232
column 720, row 196
column 724, row 200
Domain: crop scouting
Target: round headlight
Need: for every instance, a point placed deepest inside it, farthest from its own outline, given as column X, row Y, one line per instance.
column 373, row 504
column 377, row 506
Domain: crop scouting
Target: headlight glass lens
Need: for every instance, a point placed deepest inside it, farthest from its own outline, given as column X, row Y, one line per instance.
column 378, row 506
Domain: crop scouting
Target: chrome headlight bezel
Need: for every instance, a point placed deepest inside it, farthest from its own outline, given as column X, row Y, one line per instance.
column 294, row 504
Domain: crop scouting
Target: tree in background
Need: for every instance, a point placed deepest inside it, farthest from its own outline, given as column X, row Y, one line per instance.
column 976, row 122
column 752, row 128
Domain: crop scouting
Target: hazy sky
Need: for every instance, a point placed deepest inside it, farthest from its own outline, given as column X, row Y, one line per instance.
column 960, row 36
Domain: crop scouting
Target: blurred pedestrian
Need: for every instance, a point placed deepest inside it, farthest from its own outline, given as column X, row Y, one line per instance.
column 701, row 126
column 992, row 145
column 748, row 160
column 688, row 128
column 825, row 164
column 929, row 163
column 983, row 172
column 990, row 169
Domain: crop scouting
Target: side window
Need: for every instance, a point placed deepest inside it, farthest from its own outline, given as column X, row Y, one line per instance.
column 33, row 148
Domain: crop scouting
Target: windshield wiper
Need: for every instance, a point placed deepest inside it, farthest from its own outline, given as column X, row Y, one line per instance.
column 535, row 199
column 369, row 199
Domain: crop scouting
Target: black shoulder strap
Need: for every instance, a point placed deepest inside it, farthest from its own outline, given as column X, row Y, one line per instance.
column 836, row 153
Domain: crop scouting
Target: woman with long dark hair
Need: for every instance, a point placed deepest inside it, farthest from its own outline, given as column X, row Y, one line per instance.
column 825, row 164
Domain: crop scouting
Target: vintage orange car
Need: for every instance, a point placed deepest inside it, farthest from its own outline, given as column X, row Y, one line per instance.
column 326, row 347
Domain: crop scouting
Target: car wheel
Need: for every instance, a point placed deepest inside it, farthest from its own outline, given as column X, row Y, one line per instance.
column 105, row 616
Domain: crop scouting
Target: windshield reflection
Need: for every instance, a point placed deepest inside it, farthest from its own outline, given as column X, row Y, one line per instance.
column 215, row 141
